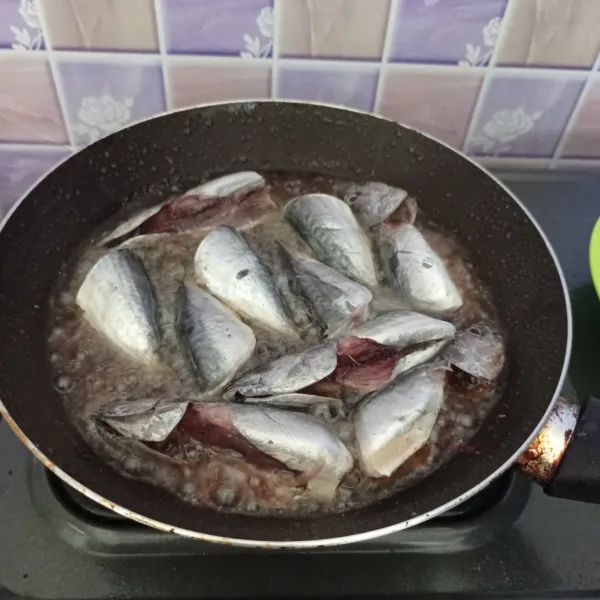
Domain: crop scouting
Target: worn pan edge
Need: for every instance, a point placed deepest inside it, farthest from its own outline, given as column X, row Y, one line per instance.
column 353, row 538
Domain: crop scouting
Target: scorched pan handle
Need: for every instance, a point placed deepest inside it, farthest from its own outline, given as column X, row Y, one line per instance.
column 565, row 457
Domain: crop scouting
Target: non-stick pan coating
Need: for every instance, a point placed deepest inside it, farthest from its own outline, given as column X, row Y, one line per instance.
column 177, row 151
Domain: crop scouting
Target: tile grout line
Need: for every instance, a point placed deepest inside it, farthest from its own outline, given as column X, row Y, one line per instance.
column 55, row 72
column 585, row 91
column 4, row 145
column 503, row 33
column 162, row 49
column 92, row 55
column 386, row 51
column 317, row 63
column 277, row 28
column 477, row 108
column 502, row 160
column 576, row 162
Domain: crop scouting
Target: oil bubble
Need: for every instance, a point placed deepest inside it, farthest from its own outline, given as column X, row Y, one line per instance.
column 63, row 383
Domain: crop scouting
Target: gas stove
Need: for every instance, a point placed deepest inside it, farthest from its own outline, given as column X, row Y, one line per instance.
column 509, row 540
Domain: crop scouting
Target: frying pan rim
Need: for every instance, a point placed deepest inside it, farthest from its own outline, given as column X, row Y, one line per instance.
column 347, row 539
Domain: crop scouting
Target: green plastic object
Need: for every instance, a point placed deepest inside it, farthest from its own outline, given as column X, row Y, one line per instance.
column 595, row 256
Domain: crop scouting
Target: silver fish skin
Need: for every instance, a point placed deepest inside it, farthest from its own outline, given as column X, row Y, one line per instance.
column 286, row 374
column 418, row 357
column 478, row 351
column 338, row 302
column 144, row 419
column 231, row 270
column 301, row 442
column 319, row 406
column 130, row 224
column 374, row 202
column 392, row 424
column 401, row 328
column 293, row 400
column 404, row 328
column 217, row 341
column 244, row 181
column 328, row 226
column 118, row 300
column 417, row 271
column 219, row 188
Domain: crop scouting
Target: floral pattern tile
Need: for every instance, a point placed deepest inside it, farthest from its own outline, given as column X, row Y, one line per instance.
column 333, row 28
column 103, row 96
column 193, row 84
column 220, row 27
column 327, row 51
column 436, row 102
column 583, row 138
column 462, row 32
column 354, row 88
column 524, row 115
column 555, row 33
column 20, row 168
column 20, row 25
column 108, row 25
column 29, row 109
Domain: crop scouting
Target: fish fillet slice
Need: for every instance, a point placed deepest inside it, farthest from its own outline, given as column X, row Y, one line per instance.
column 392, row 424
column 118, row 300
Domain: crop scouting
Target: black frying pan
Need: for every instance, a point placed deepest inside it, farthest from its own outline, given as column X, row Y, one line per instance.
column 179, row 150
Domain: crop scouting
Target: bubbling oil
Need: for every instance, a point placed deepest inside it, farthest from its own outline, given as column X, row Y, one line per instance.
column 90, row 373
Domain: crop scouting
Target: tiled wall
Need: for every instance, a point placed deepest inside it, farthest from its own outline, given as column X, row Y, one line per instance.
column 512, row 82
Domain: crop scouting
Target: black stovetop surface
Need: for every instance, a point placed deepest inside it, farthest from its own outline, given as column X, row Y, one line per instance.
column 512, row 542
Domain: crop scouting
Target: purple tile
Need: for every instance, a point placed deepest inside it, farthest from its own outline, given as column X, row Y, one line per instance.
column 105, row 96
column 21, row 167
column 19, row 25
column 524, row 114
column 224, row 27
column 447, row 31
column 354, row 88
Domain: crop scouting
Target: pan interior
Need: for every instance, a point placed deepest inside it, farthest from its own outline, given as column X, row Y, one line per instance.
column 179, row 150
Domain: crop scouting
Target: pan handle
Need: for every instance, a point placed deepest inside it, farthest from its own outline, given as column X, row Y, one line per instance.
column 565, row 457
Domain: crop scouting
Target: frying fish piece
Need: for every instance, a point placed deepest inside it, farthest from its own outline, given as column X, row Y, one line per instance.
column 338, row 302
column 402, row 328
column 289, row 400
column 286, row 374
column 478, row 351
column 144, row 419
column 372, row 354
column 218, row 342
column 244, row 181
column 417, row 355
column 417, row 271
column 392, row 424
column 330, row 229
column 198, row 209
column 118, row 300
column 374, row 202
column 131, row 224
column 364, row 366
column 301, row 442
column 209, row 204
column 231, row 271
column 320, row 406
